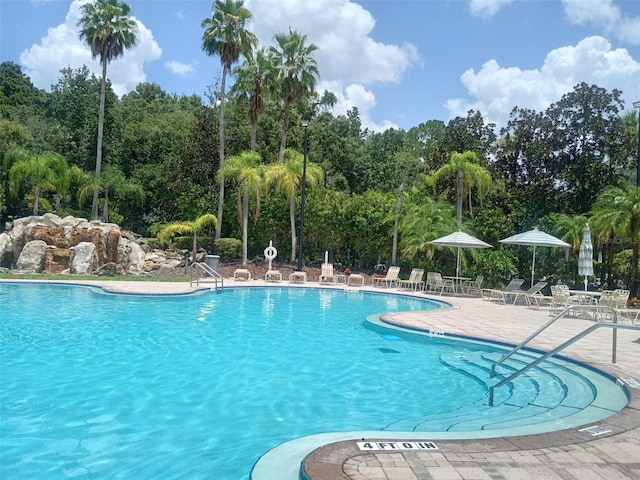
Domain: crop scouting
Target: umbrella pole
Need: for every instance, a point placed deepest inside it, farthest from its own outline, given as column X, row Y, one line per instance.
column 458, row 263
column 533, row 265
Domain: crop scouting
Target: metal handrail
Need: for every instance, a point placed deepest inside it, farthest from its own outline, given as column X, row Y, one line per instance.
column 217, row 278
column 613, row 325
column 549, row 323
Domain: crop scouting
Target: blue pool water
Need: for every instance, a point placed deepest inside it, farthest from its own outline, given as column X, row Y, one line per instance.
column 106, row 386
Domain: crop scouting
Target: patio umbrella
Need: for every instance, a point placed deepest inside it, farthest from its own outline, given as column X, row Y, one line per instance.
column 535, row 238
column 461, row 240
column 585, row 256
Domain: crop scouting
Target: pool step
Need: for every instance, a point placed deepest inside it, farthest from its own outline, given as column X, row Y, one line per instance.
column 540, row 395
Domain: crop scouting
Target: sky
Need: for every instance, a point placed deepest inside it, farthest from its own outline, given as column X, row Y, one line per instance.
column 401, row 62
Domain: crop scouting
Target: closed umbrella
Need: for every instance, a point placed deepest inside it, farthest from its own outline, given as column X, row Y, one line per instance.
column 535, row 238
column 585, row 255
column 461, row 240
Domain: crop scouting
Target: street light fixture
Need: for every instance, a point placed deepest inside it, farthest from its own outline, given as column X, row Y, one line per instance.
column 305, row 124
column 637, row 105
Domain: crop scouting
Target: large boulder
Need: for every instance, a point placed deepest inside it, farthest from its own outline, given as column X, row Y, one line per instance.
column 6, row 250
column 32, row 256
column 82, row 259
column 130, row 256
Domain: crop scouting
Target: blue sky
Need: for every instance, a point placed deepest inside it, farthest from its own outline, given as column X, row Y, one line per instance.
column 400, row 62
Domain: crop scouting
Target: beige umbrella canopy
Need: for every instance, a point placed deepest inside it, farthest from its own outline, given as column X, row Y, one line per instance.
column 461, row 240
column 535, row 238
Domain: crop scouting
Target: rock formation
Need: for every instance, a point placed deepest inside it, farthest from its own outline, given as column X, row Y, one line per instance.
column 50, row 244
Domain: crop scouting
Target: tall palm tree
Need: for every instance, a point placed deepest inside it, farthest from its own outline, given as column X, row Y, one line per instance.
column 225, row 36
column 295, row 71
column 620, row 207
column 108, row 29
column 247, row 170
column 250, row 79
column 287, row 177
column 468, row 174
column 37, row 171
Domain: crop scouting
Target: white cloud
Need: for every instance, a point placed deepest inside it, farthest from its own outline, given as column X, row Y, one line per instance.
column 62, row 48
column 179, row 68
column 497, row 90
column 349, row 59
column 606, row 15
column 487, row 8
column 355, row 95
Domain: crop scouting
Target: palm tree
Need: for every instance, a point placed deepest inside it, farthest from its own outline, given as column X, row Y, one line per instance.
column 468, row 174
column 422, row 223
column 250, row 78
column 111, row 182
column 63, row 176
column 248, row 172
column 620, row 208
column 34, row 170
column 225, row 36
column 571, row 229
column 109, row 30
column 295, row 72
column 199, row 225
column 287, row 177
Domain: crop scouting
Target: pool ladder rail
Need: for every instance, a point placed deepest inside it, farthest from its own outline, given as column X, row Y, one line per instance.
column 210, row 276
column 614, row 325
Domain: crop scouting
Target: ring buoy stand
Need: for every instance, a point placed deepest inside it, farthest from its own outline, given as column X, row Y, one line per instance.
column 270, row 253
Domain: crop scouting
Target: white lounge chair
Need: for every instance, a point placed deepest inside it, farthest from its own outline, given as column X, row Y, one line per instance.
column 533, row 290
column 414, row 282
column 498, row 294
column 389, row 280
column 326, row 273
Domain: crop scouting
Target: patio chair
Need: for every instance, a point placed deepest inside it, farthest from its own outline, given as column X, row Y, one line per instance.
column 390, row 280
column 326, row 273
column 497, row 294
column 473, row 285
column 414, row 282
column 438, row 284
column 619, row 303
column 562, row 298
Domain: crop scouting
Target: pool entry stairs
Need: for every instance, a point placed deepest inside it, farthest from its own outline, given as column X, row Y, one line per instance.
column 548, row 393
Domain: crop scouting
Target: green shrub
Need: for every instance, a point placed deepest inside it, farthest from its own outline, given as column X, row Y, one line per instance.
column 153, row 243
column 228, row 248
column 186, row 243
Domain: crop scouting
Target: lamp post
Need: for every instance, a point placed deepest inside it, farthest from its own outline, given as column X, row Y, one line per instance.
column 637, row 105
column 305, row 124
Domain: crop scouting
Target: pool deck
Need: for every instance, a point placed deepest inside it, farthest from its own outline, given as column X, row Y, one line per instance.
column 561, row 455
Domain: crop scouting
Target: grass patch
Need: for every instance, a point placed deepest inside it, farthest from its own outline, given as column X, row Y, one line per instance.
column 102, row 278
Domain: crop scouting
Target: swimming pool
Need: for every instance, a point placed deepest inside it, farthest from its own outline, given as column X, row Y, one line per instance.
column 98, row 385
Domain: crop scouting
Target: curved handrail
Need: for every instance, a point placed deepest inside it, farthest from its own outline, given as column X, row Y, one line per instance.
column 614, row 316
column 208, row 271
column 572, row 340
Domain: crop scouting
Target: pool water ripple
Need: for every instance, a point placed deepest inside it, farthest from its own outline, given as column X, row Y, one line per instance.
column 201, row 386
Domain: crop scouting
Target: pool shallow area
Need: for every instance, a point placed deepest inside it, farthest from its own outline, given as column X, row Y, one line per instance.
column 99, row 385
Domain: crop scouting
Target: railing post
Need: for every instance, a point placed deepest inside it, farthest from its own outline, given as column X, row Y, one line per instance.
column 614, row 338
